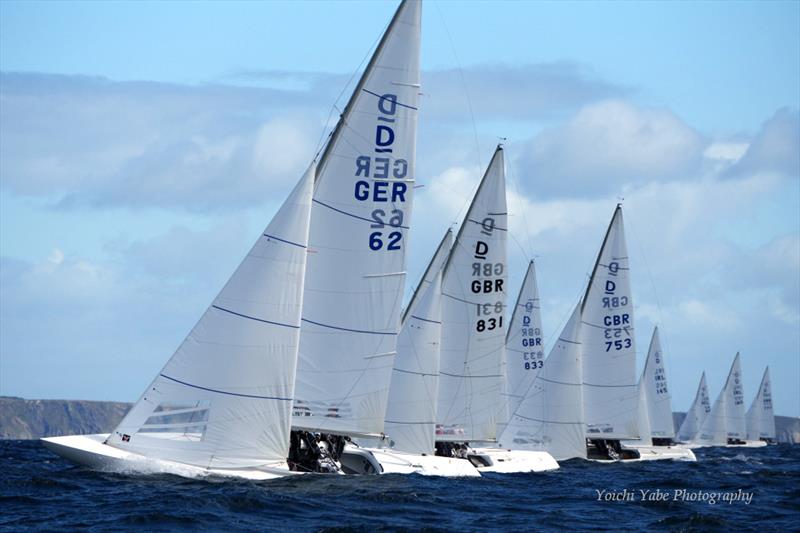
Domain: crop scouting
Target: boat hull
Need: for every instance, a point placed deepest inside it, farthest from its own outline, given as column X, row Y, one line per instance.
column 397, row 462
column 90, row 451
column 512, row 461
column 660, row 453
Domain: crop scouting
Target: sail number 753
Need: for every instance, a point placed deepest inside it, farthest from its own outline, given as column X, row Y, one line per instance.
column 618, row 345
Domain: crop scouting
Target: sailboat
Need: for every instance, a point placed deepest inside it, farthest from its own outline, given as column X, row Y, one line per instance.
column 523, row 358
column 549, row 416
column 355, row 278
column 725, row 424
column 474, row 334
column 701, row 406
column 656, row 427
column 610, row 389
column 409, row 446
column 760, row 420
column 222, row 403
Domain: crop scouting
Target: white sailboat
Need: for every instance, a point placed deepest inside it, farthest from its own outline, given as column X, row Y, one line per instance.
column 411, row 410
column 656, row 428
column 760, row 419
column 690, row 427
column 725, row 424
column 610, row 389
column 474, row 334
column 524, row 354
column 549, row 416
column 222, row 403
column 355, row 278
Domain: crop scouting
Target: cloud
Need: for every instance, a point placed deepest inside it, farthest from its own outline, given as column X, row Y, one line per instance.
column 775, row 149
column 609, row 145
column 97, row 143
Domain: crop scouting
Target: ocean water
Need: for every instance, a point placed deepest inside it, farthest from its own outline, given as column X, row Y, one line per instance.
column 40, row 491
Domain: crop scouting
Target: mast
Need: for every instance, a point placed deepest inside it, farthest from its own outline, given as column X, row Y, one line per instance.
column 334, row 136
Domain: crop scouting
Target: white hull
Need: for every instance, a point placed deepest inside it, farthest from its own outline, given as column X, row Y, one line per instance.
column 658, row 453
column 747, row 444
column 513, row 461
column 90, row 450
column 397, row 462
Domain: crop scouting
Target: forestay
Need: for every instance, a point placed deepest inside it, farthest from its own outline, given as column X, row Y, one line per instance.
column 411, row 411
column 224, row 398
column 697, row 413
column 760, row 418
column 473, row 316
column 609, row 350
column 359, row 229
column 550, row 416
column 657, row 396
column 524, row 354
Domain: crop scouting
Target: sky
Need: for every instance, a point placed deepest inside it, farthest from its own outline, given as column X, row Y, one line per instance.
column 143, row 146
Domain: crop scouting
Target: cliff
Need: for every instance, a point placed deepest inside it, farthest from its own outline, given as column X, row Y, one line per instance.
column 31, row 419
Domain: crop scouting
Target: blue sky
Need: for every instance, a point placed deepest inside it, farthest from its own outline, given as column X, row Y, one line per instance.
column 144, row 145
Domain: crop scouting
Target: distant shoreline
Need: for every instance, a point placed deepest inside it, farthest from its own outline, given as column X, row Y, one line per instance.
column 22, row 419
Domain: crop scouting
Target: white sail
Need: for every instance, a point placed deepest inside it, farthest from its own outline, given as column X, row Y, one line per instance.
column 760, row 418
column 411, row 410
column 726, row 419
column 734, row 403
column 433, row 270
column 550, row 416
column 224, row 398
column 473, row 316
column 645, row 429
column 359, row 230
column 696, row 414
column 609, row 353
column 524, row 353
column 659, row 401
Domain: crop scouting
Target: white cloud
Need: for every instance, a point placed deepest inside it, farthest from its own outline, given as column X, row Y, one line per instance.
column 609, row 145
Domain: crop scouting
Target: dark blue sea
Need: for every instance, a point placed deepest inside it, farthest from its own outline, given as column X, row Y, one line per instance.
column 39, row 491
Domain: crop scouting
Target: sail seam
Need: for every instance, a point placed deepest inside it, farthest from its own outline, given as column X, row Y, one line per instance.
column 396, row 102
column 354, row 216
column 470, row 376
column 254, row 318
column 348, row 329
column 426, row 319
column 284, row 240
column 226, row 392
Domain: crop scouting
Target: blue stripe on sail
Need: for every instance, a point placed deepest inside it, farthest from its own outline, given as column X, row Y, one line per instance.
column 425, row 319
column 347, row 329
column 254, row 318
column 371, row 221
column 283, row 240
column 225, row 392
column 396, row 102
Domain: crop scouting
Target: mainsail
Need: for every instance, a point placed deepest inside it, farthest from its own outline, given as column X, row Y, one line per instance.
column 359, row 227
column 524, row 353
column 760, row 418
column 696, row 414
column 550, row 416
column 726, row 419
column 411, row 410
column 473, row 315
column 609, row 351
column 224, row 398
column 644, row 417
column 657, row 397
